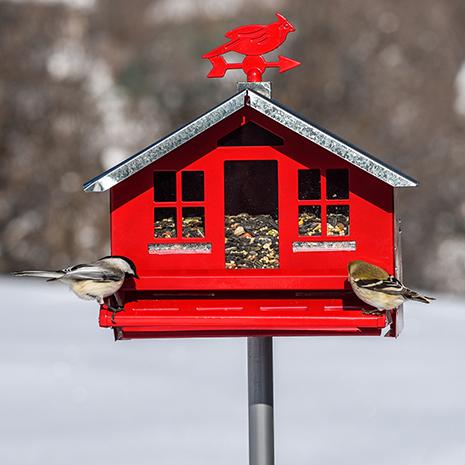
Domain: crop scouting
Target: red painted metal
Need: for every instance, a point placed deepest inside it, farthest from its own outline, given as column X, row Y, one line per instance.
column 195, row 295
column 233, row 316
column 253, row 41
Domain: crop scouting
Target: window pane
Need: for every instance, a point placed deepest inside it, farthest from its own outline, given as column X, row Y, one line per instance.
column 337, row 184
column 310, row 220
column 192, row 186
column 164, row 183
column 165, row 222
column 338, row 220
column 309, row 185
column 193, row 222
column 251, row 214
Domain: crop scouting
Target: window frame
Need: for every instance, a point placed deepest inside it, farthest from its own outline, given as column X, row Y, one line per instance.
column 179, row 204
column 324, row 203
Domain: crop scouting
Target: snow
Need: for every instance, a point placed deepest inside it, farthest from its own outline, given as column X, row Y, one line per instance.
column 70, row 395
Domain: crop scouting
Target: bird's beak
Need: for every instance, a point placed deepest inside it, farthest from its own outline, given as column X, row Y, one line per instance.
column 136, row 275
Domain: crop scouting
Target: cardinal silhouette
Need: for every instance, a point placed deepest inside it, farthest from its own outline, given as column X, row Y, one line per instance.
column 254, row 39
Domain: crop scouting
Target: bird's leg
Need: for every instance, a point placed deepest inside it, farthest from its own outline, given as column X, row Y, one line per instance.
column 115, row 310
column 119, row 304
column 389, row 317
column 119, row 307
column 374, row 311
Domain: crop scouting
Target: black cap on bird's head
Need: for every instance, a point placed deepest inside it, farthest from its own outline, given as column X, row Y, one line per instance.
column 133, row 267
column 129, row 269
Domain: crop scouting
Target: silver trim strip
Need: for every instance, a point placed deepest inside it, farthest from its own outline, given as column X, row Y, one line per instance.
column 340, row 246
column 178, row 248
column 329, row 142
column 154, row 152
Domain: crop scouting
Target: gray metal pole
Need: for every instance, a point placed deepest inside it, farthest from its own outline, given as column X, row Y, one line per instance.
column 260, row 381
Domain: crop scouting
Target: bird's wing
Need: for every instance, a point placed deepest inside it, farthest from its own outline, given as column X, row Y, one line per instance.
column 250, row 32
column 74, row 268
column 94, row 273
column 254, row 33
column 390, row 285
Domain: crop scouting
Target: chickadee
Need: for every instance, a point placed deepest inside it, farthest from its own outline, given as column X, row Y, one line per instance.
column 92, row 281
column 377, row 288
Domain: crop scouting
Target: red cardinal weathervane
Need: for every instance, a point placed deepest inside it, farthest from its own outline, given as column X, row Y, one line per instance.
column 253, row 41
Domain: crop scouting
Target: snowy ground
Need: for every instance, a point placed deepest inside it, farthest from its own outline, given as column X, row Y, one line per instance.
column 70, row 395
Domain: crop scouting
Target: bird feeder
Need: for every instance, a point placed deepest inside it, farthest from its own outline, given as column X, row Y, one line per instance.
column 243, row 222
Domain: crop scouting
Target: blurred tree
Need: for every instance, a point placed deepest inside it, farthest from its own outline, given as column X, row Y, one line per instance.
column 81, row 89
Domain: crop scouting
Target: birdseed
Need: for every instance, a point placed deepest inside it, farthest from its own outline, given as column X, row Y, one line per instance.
column 165, row 228
column 252, row 241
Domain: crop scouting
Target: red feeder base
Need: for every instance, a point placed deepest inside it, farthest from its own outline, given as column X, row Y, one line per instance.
column 154, row 315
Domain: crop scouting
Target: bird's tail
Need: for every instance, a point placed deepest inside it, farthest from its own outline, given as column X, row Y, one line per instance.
column 413, row 295
column 50, row 275
column 215, row 52
column 222, row 49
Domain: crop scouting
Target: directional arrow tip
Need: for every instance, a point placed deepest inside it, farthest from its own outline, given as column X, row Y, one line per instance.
column 285, row 64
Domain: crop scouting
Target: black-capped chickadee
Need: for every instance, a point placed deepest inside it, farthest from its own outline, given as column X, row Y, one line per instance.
column 92, row 281
column 377, row 288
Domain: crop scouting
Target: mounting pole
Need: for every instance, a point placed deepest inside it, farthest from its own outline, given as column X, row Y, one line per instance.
column 260, row 385
column 260, row 369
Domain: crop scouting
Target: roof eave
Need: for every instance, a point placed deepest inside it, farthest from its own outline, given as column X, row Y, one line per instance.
column 162, row 147
column 329, row 141
column 272, row 110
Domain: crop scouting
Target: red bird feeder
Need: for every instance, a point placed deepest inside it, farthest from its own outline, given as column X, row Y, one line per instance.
column 243, row 221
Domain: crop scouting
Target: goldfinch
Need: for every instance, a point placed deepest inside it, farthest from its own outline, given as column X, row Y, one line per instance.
column 377, row 288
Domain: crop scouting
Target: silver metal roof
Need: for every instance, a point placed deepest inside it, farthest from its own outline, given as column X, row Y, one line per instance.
column 272, row 110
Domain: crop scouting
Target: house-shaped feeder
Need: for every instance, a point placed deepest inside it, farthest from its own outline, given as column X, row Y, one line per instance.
column 243, row 221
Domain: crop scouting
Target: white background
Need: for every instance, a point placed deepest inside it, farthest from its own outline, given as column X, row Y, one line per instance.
column 70, row 395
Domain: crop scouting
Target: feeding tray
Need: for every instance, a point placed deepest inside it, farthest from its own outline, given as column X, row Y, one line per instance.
column 187, row 314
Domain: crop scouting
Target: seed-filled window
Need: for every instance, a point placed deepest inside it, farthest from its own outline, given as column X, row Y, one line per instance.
column 337, row 220
column 310, row 220
column 193, row 222
column 323, row 215
column 165, row 222
column 251, row 214
column 179, row 198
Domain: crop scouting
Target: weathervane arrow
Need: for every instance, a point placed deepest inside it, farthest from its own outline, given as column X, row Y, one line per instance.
column 284, row 64
column 253, row 41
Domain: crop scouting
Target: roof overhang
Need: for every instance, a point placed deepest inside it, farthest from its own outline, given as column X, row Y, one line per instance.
column 272, row 110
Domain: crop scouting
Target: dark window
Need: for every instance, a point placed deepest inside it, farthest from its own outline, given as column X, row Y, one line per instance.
column 310, row 220
column 337, row 184
column 165, row 222
column 164, row 186
column 193, row 222
column 338, row 220
column 192, row 186
column 309, row 185
column 250, row 134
